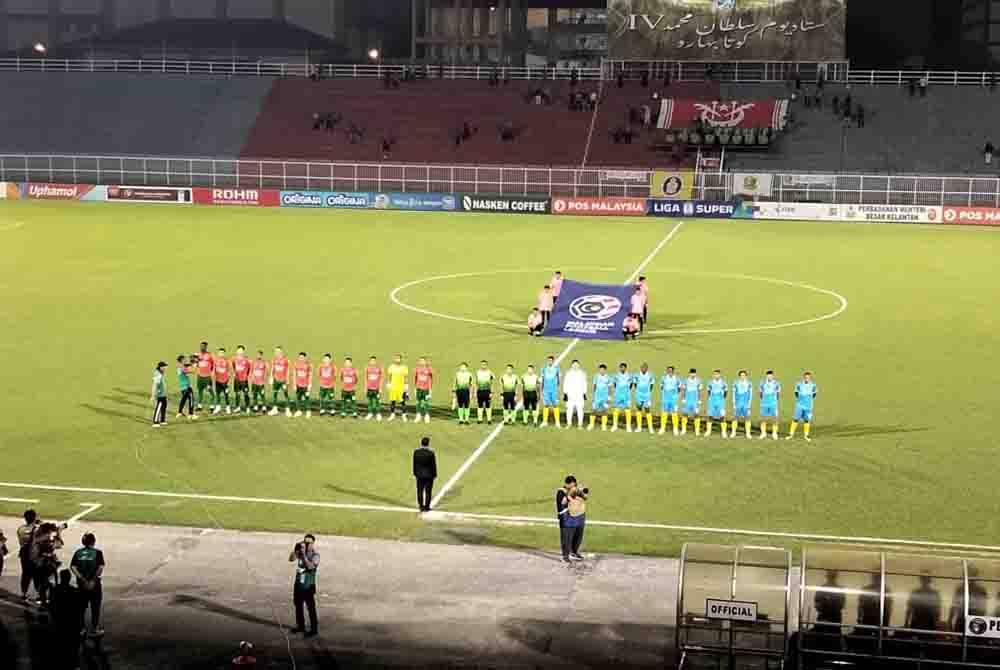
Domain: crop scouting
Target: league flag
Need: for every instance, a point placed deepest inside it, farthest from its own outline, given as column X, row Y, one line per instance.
column 590, row 311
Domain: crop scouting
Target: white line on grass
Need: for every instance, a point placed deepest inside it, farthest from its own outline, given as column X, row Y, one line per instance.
column 91, row 507
column 529, row 520
column 481, row 449
column 19, row 500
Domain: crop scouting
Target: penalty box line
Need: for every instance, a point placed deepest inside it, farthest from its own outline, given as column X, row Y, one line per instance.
column 481, row 449
column 514, row 519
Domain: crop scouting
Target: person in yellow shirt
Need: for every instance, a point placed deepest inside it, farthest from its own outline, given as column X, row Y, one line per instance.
column 397, row 374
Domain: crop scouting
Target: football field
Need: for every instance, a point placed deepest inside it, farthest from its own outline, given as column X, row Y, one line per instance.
column 898, row 324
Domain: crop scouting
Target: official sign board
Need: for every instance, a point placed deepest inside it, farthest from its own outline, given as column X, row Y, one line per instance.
column 730, row 610
column 727, row 30
column 983, row 626
column 692, row 209
column 505, row 204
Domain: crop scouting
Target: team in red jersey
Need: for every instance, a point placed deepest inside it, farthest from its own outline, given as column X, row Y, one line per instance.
column 221, row 368
column 291, row 383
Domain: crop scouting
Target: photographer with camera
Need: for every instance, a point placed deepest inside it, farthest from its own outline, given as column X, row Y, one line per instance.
column 306, row 560
column 571, row 508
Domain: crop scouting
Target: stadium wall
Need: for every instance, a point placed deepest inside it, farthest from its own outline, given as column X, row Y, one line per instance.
column 499, row 204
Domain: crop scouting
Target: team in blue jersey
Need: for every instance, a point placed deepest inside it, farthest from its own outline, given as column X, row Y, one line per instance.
column 681, row 401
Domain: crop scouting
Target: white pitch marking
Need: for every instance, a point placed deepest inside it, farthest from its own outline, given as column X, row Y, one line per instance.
column 769, row 280
column 204, row 496
column 91, row 507
column 19, row 500
column 443, row 516
column 565, row 352
column 394, row 294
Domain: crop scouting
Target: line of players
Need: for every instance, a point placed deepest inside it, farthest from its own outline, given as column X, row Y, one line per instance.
column 631, row 394
column 613, row 395
column 252, row 378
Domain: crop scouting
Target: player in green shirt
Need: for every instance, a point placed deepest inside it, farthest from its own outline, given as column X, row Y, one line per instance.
column 463, row 384
column 529, row 393
column 484, row 392
column 508, row 387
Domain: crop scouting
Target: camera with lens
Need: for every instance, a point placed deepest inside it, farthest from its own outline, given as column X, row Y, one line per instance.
column 298, row 549
column 580, row 492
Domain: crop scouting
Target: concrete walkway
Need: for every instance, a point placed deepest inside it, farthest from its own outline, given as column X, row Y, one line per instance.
column 184, row 598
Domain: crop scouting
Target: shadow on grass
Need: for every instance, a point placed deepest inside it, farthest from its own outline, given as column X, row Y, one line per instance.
column 860, row 430
column 370, row 497
column 117, row 414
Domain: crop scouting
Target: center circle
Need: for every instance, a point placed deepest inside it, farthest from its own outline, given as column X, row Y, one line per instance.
column 590, row 307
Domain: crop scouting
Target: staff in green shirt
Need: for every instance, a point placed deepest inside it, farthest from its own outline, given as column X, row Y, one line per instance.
column 484, row 392
column 158, row 395
column 184, row 385
column 463, row 384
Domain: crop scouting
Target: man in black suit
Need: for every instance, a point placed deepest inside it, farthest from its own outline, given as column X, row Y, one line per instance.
column 425, row 470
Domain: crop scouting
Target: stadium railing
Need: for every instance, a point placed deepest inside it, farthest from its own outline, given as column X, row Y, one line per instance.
column 737, row 72
column 927, row 190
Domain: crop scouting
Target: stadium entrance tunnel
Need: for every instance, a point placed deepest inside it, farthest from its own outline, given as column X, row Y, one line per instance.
column 747, row 608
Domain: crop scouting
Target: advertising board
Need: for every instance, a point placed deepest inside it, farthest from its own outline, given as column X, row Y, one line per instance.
column 600, row 206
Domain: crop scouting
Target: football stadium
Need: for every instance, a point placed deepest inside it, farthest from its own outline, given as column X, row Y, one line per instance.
column 624, row 334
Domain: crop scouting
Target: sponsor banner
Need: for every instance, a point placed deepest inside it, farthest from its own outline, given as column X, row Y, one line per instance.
column 161, row 194
column 804, row 181
column 726, row 114
column 891, row 213
column 600, row 206
column 590, row 311
column 727, row 30
column 505, row 204
column 332, row 199
column 978, row 216
column 634, row 176
column 671, row 184
column 856, row 213
column 982, row 626
column 420, row 202
column 35, row 191
column 693, row 209
column 249, row 197
column 756, row 184
column 730, row 610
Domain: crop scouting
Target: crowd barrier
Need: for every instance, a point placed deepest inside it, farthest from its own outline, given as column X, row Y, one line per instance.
column 505, row 204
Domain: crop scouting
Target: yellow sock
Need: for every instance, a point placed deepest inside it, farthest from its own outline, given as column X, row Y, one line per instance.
column 555, row 411
column 675, row 418
column 649, row 420
column 614, row 415
column 749, row 427
column 604, row 422
column 774, row 429
column 545, row 414
column 684, row 423
column 792, row 428
column 708, row 427
column 805, row 429
column 734, row 426
column 593, row 420
column 663, row 421
column 697, row 425
column 628, row 419
column 763, row 427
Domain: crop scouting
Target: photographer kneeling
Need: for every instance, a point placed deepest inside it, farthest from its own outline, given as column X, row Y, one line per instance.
column 571, row 508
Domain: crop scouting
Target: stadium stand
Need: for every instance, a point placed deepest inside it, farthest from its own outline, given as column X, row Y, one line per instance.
column 102, row 114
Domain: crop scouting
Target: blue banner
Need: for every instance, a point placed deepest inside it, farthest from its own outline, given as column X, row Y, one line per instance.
column 421, row 202
column 337, row 199
column 693, row 209
column 590, row 311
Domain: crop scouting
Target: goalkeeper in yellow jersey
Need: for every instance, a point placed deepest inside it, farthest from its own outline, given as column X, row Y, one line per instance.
column 397, row 375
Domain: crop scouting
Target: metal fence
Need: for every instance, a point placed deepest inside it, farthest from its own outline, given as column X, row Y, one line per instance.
column 737, row 72
column 863, row 189
column 981, row 191
column 319, row 176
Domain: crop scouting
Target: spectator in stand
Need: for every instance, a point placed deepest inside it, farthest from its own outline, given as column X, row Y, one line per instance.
column 647, row 116
column 621, row 80
column 798, row 82
column 847, row 107
column 644, row 79
column 993, row 81
column 807, row 100
column 911, row 85
column 666, row 78
column 859, row 116
column 574, row 78
column 317, row 121
column 988, row 152
column 593, row 100
column 836, row 106
column 924, row 83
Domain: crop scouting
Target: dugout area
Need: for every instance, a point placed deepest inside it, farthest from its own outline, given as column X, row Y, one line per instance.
column 747, row 607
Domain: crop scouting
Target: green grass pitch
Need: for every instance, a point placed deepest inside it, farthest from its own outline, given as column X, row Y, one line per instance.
column 904, row 446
